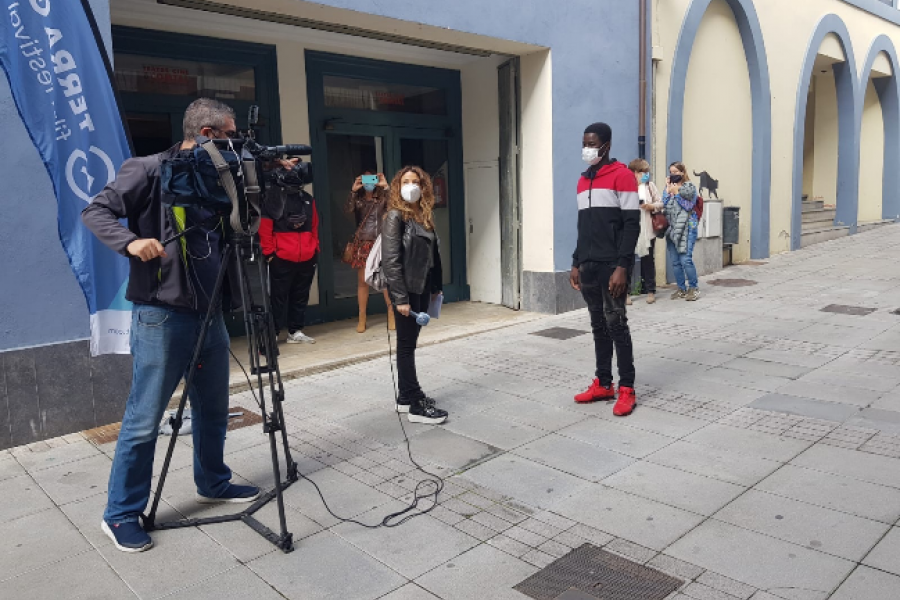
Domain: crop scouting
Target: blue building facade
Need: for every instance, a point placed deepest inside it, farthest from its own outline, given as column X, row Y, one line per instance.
column 517, row 81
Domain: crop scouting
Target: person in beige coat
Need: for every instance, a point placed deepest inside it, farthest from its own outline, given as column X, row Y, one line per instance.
column 651, row 202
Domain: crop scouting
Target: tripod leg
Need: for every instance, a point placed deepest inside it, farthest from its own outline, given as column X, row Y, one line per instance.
column 270, row 343
column 150, row 518
column 263, row 337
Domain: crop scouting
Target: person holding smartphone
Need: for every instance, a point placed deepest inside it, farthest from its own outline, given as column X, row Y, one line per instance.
column 367, row 203
column 411, row 261
column 681, row 210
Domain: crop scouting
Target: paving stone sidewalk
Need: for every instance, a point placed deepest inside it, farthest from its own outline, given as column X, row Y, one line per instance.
column 763, row 461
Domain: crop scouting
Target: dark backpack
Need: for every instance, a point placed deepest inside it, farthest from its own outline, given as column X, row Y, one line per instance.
column 698, row 207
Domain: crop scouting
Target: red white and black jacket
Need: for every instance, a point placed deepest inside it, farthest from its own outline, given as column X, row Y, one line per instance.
column 277, row 236
column 609, row 216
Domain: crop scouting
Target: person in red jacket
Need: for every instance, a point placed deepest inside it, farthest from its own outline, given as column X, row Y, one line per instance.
column 289, row 237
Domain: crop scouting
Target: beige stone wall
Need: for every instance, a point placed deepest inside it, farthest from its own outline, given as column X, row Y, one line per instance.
column 787, row 28
column 718, row 131
column 871, row 163
column 825, row 145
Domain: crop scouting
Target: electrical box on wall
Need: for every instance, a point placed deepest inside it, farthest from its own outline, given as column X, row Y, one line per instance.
column 711, row 221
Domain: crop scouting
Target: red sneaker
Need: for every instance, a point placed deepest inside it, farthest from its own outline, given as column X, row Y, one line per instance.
column 627, row 400
column 596, row 392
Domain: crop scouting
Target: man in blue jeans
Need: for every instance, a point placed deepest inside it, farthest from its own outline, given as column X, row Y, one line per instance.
column 171, row 289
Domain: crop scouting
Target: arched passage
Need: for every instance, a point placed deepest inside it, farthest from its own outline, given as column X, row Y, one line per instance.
column 887, row 88
column 847, row 177
column 757, row 65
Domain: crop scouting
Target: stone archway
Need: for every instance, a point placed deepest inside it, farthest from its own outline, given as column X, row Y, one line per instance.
column 888, row 90
column 847, row 179
column 757, row 65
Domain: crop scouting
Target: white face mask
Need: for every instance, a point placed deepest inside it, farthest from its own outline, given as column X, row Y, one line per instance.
column 411, row 192
column 592, row 156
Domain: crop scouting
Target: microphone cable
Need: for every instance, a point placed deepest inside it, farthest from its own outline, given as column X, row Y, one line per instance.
column 433, row 481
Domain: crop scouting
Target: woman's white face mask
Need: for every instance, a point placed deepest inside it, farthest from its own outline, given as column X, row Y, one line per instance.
column 411, row 192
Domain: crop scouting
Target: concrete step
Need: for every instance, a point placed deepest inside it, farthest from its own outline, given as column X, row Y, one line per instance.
column 813, row 205
column 819, row 216
column 817, row 226
column 823, row 234
column 870, row 225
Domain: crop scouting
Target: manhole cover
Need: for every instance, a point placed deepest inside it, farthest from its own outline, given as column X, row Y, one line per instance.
column 598, row 574
column 560, row 333
column 573, row 594
column 841, row 309
column 732, row 282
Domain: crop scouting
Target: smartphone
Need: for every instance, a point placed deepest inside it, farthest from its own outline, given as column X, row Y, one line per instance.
column 370, row 179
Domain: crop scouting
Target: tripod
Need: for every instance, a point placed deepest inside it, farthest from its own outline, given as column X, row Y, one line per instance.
column 260, row 328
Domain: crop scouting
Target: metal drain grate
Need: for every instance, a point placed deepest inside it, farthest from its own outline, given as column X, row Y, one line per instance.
column 560, row 333
column 733, row 283
column 598, row 574
column 841, row 309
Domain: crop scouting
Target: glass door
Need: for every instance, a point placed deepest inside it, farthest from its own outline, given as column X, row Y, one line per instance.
column 348, row 152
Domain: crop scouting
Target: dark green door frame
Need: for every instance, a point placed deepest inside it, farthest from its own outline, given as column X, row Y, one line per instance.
column 261, row 58
column 392, row 127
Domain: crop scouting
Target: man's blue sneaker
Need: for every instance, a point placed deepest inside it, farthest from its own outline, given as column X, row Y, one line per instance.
column 128, row 537
column 234, row 494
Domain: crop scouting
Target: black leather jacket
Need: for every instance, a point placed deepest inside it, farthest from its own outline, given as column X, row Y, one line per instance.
column 410, row 258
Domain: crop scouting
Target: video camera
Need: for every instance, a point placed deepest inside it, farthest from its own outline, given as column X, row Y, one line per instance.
column 234, row 176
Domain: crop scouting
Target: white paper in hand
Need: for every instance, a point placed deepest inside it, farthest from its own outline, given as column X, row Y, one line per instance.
column 434, row 308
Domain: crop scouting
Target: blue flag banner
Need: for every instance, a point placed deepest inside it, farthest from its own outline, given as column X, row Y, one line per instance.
column 59, row 74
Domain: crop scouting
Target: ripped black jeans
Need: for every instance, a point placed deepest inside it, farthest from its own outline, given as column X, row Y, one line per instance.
column 609, row 323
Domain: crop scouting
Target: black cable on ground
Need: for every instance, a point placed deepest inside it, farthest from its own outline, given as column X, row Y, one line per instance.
column 418, row 493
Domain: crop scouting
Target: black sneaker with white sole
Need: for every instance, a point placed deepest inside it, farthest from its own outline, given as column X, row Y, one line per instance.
column 127, row 537
column 424, row 411
column 402, row 407
column 233, row 494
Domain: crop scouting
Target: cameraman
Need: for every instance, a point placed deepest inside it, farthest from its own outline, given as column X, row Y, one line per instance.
column 289, row 239
column 170, row 288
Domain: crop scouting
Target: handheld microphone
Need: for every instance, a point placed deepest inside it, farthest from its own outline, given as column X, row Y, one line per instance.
column 421, row 318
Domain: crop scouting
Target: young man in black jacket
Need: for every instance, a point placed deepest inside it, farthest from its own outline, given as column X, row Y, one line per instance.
column 608, row 228
column 170, row 288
